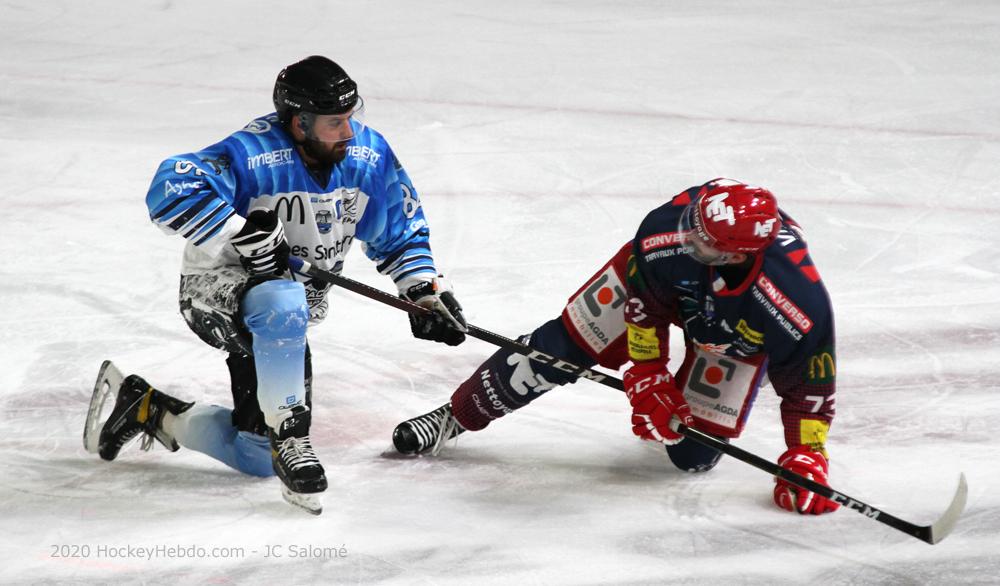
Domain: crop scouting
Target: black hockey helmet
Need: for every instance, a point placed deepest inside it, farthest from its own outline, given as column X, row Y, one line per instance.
column 315, row 85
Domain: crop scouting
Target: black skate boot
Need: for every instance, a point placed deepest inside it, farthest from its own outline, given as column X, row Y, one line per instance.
column 295, row 462
column 427, row 432
column 139, row 408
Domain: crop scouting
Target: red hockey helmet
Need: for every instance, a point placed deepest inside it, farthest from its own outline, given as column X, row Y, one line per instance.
column 729, row 217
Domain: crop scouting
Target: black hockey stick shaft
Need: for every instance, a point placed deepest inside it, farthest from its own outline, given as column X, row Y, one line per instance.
column 300, row 266
column 927, row 533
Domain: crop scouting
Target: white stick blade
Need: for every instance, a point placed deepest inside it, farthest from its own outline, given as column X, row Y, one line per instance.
column 943, row 526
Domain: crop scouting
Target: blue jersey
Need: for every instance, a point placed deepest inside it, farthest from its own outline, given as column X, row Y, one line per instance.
column 205, row 196
column 780, row 313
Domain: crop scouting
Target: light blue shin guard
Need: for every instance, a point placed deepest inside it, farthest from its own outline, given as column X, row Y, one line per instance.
column 209, row 429
column 276, row 313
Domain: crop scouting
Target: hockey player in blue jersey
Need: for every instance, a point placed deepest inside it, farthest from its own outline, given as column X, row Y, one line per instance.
column 723, row 264
column 307, row 180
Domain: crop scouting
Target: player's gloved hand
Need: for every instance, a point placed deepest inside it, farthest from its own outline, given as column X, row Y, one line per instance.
column 807, row 462
column 655, row 400
column 261, row 244
column 445, row 322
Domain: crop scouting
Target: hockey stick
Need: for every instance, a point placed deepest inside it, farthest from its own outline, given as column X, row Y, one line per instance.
column 932, row 534
column 928, row 533
column 300, row 266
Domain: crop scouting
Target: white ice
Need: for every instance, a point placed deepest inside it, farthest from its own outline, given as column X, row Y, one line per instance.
column 538, row 134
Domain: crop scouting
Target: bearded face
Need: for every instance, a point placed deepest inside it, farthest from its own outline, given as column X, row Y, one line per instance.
column 323, row 138
column 325, row 153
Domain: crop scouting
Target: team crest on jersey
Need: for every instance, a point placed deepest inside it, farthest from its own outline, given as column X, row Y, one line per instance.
column 324, row 221
column 258, row 127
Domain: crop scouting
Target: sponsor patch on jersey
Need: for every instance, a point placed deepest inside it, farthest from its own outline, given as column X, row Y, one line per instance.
column 597, row 312
column 812, row 433
column 719, row 390
column 642, row 343
column 665, row 253
column 822, row 368
column 270, row 159
column 363, row 154
column 781, row 301
column 290, row 208
column 751, row 335
column 661, row 240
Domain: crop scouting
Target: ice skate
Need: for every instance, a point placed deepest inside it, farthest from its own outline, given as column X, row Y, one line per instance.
column 138, row 409
column 428, row 432
column 295, row 462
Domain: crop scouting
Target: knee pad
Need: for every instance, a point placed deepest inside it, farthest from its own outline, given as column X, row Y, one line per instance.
column 276, row 313
column 276, row 310
column 690, row 456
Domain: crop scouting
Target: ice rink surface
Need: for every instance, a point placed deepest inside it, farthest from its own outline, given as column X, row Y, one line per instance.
column 538, row 135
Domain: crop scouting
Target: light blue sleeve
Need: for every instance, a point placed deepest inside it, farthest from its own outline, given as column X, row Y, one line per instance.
column 395, row 232
column 193, row 194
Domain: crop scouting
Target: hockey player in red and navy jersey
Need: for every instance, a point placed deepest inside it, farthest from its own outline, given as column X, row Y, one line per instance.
column 723, row 264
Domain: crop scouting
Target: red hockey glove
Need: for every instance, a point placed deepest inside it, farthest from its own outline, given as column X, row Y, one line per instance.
column 655, row 400
column 811, row 464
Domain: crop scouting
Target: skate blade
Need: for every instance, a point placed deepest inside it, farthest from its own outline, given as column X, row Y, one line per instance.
column 309, row 503
column 109, row 379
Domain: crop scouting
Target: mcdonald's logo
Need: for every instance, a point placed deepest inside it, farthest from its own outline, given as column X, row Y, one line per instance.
column 288, row 205
column 822, row 368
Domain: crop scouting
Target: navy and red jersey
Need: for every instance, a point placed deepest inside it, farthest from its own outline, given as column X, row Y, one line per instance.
column 779, row 313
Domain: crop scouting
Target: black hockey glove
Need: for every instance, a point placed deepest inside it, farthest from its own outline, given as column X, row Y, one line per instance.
column 261, row 244
column 444, row 323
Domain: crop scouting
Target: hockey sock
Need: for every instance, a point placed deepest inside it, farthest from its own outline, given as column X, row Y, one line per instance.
column 276, row 314
column 508, row 381
column 209, row 429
